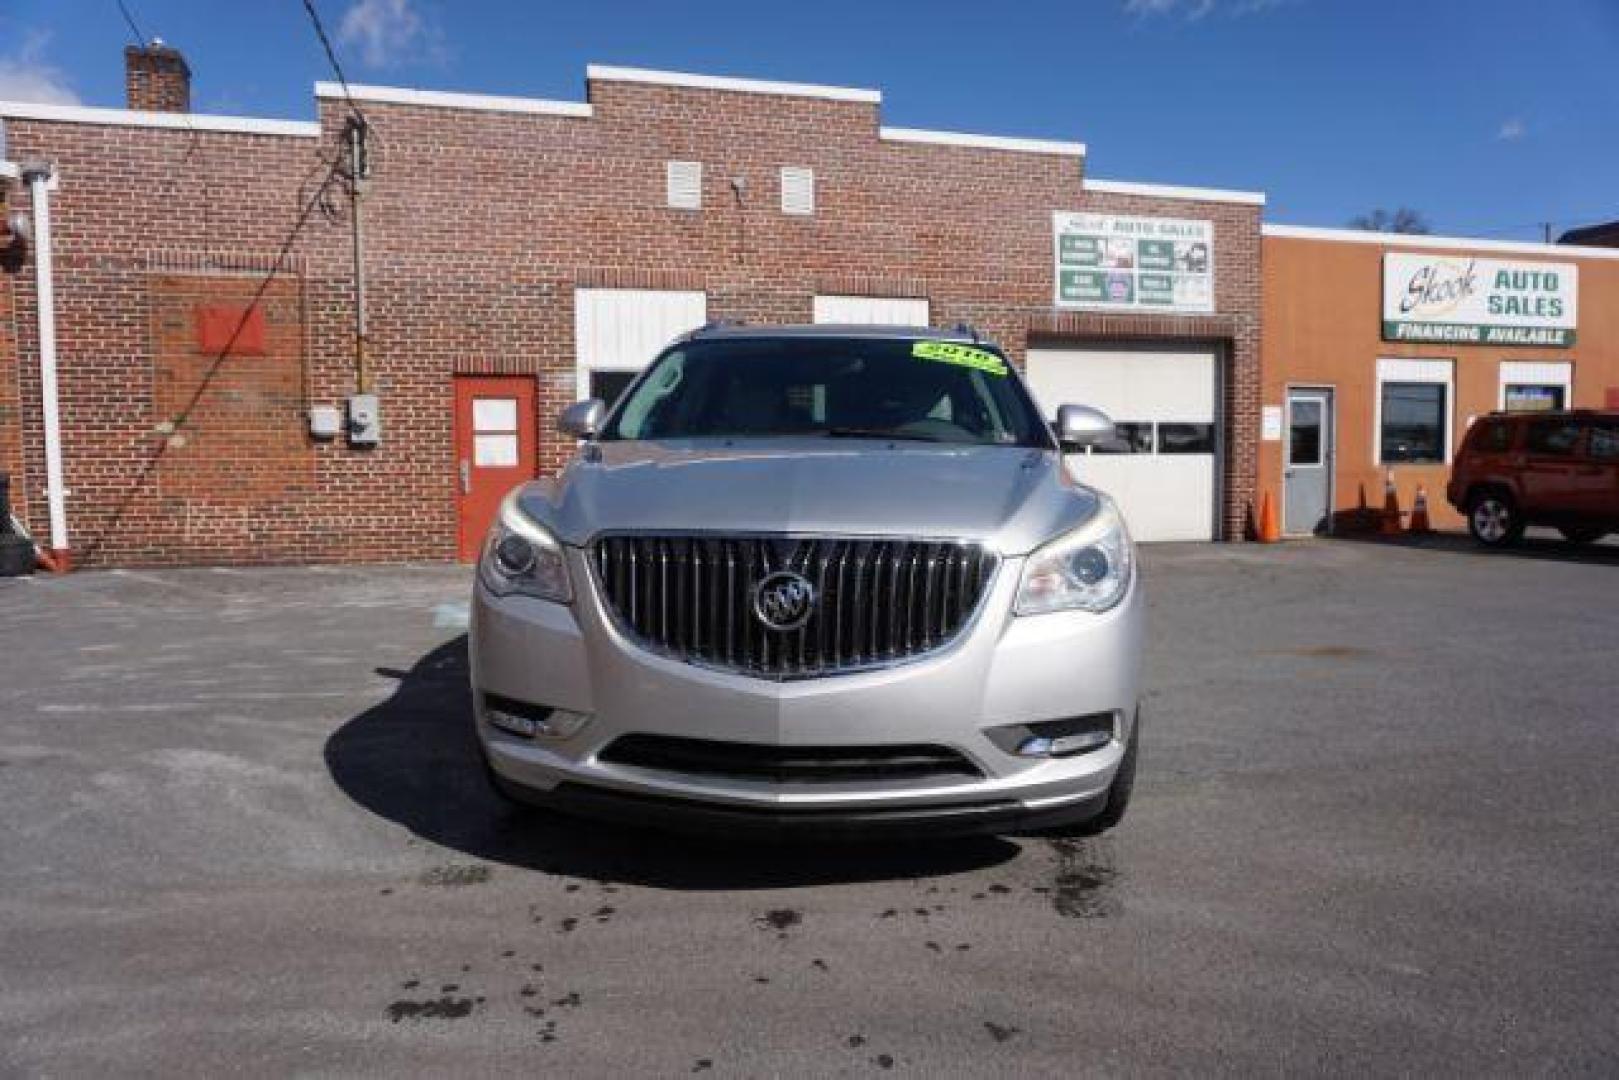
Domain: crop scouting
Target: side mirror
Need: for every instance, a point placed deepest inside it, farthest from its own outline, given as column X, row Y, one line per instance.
column 582, row 419
column 1081, row 425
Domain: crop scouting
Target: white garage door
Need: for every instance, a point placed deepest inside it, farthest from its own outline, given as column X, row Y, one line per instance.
column 1160, row 468
column 617, row 332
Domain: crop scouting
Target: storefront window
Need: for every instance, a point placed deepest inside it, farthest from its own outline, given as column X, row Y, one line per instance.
column 1531, row 397
column 1413, row 425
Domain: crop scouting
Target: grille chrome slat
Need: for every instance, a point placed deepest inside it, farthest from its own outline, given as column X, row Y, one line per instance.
column 879, row 602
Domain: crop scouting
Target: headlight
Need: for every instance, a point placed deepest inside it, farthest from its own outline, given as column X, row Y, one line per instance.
column 1088, row 569
column 522, row 557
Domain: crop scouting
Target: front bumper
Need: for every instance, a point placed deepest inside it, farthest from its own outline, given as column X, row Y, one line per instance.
column 1002, row 670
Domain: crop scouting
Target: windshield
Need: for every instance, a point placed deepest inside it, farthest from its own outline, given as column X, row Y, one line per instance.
column 926, row 391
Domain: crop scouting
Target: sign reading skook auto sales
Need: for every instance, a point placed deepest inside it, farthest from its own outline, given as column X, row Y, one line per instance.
column 1456, row 299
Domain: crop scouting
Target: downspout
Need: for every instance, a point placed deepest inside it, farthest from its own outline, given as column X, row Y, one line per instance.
column 41, row 180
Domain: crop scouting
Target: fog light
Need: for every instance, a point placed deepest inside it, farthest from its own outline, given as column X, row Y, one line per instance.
column 1058, row 738
column 529, row 721
column 1041, row 746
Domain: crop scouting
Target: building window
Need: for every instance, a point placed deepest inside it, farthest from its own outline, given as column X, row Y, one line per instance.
column 1413, row 422
column 1532, row 397
column 684, row 180
column 1413, row 412
column 1535, row 386
column 797, row 191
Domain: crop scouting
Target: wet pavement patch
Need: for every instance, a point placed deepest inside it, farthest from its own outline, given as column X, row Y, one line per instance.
column 1084, row 883
column 442, row 1008
column 780, row 920
column 456, row 875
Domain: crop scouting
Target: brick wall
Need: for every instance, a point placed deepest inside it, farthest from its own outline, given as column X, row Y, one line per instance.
column 480, row 225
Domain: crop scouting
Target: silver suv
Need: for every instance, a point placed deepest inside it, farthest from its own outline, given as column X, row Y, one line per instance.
column 829, row 579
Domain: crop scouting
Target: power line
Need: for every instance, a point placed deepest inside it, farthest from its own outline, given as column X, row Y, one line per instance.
column 331, row 55
column 141, row 39
column 180, row 418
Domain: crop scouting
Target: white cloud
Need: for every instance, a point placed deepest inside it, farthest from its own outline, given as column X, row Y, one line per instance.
column 390, row 32
column 26, row 76
column 1192, row 10
column 1512, row 129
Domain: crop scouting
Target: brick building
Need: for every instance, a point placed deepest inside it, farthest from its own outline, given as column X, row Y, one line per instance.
column 521, row 252
column 1381, row 350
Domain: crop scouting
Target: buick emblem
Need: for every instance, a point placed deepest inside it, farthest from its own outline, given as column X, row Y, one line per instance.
column 783, row 600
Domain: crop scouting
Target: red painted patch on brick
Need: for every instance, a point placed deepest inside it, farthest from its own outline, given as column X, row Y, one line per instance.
column 228, row 327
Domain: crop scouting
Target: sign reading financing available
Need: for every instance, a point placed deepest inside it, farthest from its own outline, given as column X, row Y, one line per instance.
column 1115, row 263
column 1458, row 299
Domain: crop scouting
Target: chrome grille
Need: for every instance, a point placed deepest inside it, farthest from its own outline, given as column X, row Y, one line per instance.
column 877, row 601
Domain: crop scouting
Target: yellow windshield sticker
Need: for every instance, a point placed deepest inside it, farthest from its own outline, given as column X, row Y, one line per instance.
column 948, row 352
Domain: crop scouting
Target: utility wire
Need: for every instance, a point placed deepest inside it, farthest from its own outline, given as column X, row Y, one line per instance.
column 331, row 55
column 141, row 39
column 180, row 418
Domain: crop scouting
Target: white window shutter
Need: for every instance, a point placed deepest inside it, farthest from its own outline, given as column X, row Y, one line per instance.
column 797, row 190
column 685, row 182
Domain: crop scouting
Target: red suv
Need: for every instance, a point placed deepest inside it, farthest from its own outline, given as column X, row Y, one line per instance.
column 1548, row 468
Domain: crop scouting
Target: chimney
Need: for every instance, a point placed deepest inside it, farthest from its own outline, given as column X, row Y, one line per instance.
column 156, row 78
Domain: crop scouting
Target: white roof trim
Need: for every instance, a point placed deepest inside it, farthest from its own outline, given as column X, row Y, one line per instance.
column 1170, row 191
column 607, row 73
column 1419, row 240
column 982, row 142
column 85, row 114
column 444, row 99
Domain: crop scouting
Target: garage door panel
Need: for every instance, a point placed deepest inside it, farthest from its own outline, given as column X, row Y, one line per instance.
column 624, row 329
column 1163, row 496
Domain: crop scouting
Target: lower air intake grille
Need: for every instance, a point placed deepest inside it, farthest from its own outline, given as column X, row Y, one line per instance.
column 788, row 764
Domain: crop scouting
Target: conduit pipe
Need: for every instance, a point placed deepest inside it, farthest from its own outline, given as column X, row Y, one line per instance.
column 41, row 181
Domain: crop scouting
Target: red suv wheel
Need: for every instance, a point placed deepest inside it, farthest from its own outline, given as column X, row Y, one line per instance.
column 1493, row 518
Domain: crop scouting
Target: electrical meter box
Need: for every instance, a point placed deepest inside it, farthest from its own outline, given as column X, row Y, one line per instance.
column 365, row 420
column 325, row 422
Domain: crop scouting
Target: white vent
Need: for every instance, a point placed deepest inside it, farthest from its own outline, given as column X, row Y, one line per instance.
column 797, row 190
column 685, row 184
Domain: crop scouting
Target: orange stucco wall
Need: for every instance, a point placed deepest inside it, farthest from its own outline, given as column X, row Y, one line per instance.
column 1323, row 327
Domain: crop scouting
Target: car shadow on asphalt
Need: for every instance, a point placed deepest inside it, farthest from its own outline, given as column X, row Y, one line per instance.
column 1549, row 547
column 414, row 760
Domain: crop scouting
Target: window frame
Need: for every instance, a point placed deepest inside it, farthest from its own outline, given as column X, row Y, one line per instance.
column 1434, row 372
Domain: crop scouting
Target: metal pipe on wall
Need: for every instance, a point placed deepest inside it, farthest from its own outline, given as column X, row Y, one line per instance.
column 41, row 180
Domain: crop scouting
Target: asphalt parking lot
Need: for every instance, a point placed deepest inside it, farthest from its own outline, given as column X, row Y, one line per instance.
column 1374, row 832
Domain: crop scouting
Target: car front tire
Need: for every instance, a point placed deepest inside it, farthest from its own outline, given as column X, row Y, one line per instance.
column 1118, row 794
column 1493, row 519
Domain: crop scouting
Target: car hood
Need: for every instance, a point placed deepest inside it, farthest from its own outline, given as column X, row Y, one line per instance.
column 1013, row 498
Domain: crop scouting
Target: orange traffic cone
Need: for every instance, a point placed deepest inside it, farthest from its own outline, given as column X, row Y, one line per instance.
column 1420, row 525
column 1390, row 525
column 1269, row 531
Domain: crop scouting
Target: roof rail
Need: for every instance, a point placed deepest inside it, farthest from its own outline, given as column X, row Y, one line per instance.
column 970, row 332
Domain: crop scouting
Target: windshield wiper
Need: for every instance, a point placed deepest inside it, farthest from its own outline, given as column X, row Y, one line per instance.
column 879, row 433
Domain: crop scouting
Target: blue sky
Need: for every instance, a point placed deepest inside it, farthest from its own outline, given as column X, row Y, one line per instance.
column 1489, row 116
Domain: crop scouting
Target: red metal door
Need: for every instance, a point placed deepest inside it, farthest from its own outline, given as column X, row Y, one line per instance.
column 494, row 450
